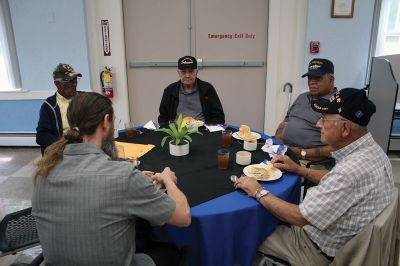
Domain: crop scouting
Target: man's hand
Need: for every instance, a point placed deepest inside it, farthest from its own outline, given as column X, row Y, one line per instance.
column 285, row 163
column 150, row 175
column 166, row 176
column 279, row 130
column 249, row 185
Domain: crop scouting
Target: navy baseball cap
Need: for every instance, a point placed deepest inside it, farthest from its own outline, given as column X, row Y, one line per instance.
column 187, row 62
column 352, row 104
column 318, row 67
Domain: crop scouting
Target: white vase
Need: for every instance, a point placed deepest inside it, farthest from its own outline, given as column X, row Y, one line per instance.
column 179, row 150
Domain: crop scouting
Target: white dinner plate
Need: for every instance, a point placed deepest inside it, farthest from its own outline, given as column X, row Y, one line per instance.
column 237, row 136
column 276, row 172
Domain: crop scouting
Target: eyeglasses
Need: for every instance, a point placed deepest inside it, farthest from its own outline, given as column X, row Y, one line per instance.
column 64, row 80
column 322, row 119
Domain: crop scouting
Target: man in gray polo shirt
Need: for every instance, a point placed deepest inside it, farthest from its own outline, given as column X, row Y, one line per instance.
column 86, row 204
column 190, row 96
column 299, row 130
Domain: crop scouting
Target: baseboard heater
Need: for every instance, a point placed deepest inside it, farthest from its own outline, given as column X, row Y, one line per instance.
column 18, row 139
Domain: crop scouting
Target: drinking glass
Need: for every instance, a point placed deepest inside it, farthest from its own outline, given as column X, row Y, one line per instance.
column 226, row 138
column 223, row 159
column 129, row 129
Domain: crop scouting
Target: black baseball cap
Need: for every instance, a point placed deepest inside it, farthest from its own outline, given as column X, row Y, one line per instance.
column 318, row 67
column 187, row 62
column 350, row 103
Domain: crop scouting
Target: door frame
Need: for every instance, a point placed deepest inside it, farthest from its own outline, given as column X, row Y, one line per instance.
column 287, row 23
column 285, row 54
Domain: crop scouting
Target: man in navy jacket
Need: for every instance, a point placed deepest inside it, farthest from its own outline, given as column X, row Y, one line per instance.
column 52, row 117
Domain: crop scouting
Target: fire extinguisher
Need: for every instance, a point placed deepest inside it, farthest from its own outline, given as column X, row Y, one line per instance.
column 106, row 82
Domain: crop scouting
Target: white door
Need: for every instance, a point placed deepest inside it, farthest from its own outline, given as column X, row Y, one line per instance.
column 229, row 36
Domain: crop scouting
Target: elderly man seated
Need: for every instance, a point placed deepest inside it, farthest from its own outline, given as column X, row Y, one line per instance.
column 299, row 130
column 346, row 199
column 53, row 121
column 190, row 96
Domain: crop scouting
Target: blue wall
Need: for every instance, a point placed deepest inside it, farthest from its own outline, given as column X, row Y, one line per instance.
column 344, row 41
column 23, row 120
column 47, row 32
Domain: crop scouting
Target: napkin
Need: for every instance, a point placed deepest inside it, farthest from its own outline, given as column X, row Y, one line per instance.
column 150, row 125
column 133, row 150
column 273, row 150
column 215, row 128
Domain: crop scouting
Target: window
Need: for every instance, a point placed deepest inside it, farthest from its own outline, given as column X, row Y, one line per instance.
column 388, row 41
column 9, row 73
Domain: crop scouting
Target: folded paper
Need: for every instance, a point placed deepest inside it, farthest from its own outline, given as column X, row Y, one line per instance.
column 273, row 150
column 215, row 128
column 133, row 150
column 150, row 125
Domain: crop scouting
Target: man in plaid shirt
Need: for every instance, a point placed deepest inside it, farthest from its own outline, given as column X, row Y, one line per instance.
column 347, row 198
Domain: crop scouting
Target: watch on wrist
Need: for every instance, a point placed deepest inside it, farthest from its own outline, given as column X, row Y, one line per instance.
column 303, row 154
column 261, row 194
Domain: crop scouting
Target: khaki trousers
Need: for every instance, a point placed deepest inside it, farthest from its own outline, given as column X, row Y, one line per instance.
column 293, row 245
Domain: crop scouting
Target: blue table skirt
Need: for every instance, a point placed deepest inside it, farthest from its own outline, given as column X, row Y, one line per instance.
column 228, row 229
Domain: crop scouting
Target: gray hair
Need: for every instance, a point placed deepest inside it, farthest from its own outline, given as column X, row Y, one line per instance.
column 354, row 126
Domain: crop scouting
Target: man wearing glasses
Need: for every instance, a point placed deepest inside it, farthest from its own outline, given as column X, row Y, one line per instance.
column 190, row 96
column 299, row 130
column 346, row 199
column 53, row 113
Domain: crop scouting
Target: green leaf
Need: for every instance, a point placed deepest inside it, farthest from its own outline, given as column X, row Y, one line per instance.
column 164, row 139
column 183, row 132
column 173, row 130
column 179, row 122
column 166, row 130
column 188, row 138
column 192, row 128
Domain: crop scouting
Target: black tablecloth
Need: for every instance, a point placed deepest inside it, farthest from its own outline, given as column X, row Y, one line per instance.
column 198, row 175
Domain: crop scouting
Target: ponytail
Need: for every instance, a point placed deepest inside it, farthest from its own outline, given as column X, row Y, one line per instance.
column 54, row 153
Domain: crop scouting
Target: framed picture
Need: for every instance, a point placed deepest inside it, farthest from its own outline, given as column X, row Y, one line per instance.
column 342, row 8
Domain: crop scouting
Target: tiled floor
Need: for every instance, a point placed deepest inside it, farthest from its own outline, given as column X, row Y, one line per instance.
column 16, row 170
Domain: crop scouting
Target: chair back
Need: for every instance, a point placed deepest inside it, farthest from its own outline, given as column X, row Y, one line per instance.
column 375, row 244
column 18, row 232
column 382, row 91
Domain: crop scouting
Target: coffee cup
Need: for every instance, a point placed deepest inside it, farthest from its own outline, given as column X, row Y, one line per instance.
column 243, row 157
column 250, row 145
